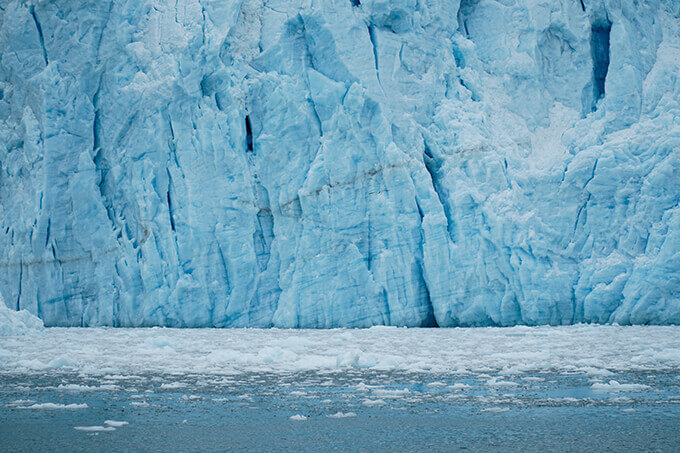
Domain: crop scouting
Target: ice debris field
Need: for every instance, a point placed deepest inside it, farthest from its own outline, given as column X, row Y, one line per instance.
column 597, row 352
column 340, row 373
column 542, row 388
column 340, row 163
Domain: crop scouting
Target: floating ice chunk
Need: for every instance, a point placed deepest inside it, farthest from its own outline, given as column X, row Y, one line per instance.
column 500, row 383
column 115, row 424
column 436, row 384
column 298, row 418
column 174, row 385
column 361, row 387
column 384, row 393
column 94, row 428
column 615, row 386
column 342, row 415
column 56, row 406
column 85, row 388
column 495, row 410
column 459, row 386
column 372, row 403
column 14, row 322
column 62, row 362
column 20, row 402
column 159, row 341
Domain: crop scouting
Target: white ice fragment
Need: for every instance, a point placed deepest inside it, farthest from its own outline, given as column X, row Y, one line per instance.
column 56, row 406
column 615, row 386
column 174, row 385
column 94, row 428
column 372, row 403
column 385, row 393
column 115, row 424
column 495, row 410
column 342, row 415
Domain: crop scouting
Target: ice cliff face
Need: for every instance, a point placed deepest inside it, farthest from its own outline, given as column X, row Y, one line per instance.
column 320, row 163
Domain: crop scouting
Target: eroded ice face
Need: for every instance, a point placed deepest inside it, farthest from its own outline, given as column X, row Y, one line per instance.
column 340, row 164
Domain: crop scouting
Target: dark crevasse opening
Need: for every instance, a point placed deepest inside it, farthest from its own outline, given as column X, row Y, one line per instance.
column 465, row 10
column 599, row 50
column 355, row 2
column 249, row 135
column 172, row 218
column 583, row 6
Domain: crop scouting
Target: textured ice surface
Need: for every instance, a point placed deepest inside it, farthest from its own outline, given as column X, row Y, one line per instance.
column 325, row 163
column 16, row 322
column 113, row 356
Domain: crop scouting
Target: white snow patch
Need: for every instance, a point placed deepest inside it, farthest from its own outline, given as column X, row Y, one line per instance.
column 298, row 418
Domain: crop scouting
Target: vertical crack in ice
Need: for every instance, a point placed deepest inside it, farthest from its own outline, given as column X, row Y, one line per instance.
column 369, row 252
column 224, row 264
column 47, row 231
column 169, row 200
column 464, row 12
column 583, row 6
column 172, row 158
column 249, row 135
column 599, row 51
column 100, row 162
column 376, row 61
column 432, row 166
column 582, row 208
column 316, row 116
column 262, row 237
column 40, row 34
column 21, row 276
column 430, row 320
column 264, row 224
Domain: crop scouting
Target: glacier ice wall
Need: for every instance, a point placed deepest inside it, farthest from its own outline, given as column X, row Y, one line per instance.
column 321, row 163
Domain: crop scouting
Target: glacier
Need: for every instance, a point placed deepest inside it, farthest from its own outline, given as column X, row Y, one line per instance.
column 326, row 163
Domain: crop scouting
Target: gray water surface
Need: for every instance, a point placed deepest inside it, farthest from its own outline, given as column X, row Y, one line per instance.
column 394, row 411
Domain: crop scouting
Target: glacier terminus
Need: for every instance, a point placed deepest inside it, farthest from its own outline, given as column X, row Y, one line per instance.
column 340, row 163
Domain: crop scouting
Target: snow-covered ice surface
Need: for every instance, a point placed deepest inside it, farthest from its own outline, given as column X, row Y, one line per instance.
column 336, row 163
column 529, row 388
